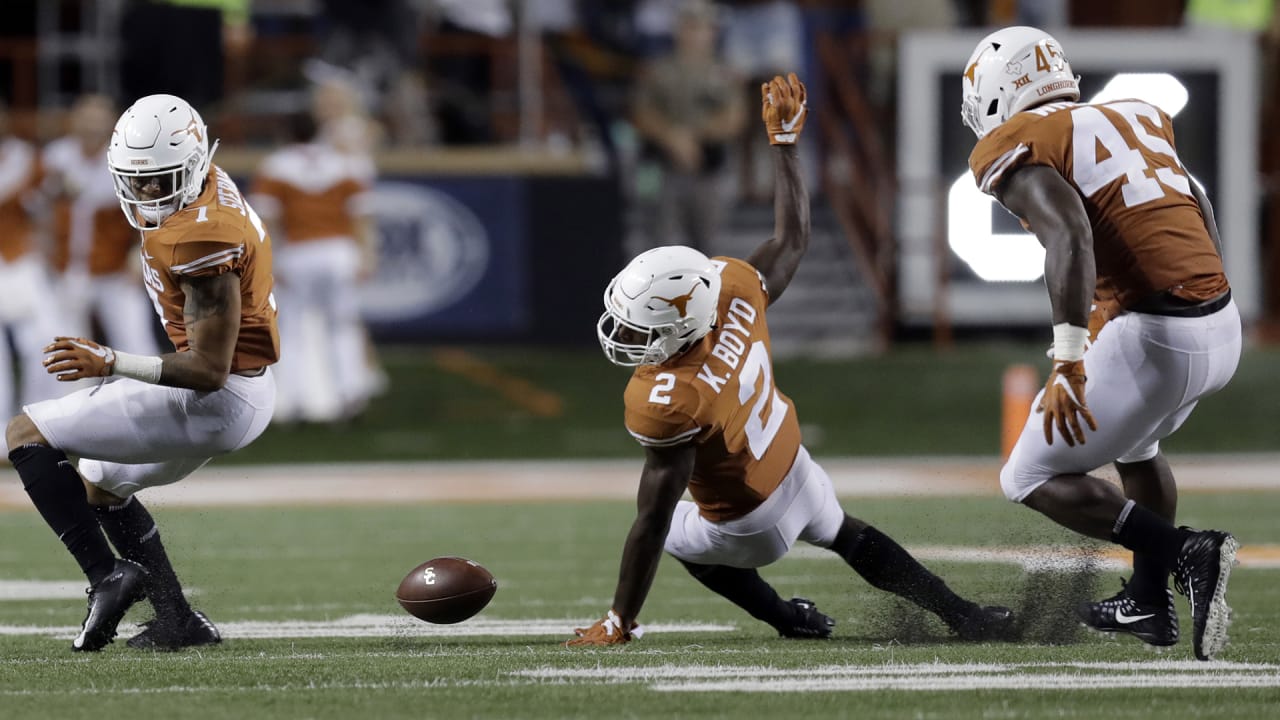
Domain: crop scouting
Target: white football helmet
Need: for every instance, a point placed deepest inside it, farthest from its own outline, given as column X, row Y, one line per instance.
column 661, row 303
column 1010, row 70
column 159, row 156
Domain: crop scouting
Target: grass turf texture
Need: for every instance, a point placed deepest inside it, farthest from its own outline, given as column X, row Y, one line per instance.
column 912, row 401
column 560, row 561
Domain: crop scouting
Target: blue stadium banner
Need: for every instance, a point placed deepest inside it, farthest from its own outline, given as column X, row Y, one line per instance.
column 451, row 259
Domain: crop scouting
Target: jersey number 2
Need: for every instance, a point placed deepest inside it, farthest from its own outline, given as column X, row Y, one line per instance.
column 1092, row 128
column 755, row 368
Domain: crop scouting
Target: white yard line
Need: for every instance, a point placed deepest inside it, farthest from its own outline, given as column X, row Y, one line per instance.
column 925, row 676
column 506, row 481
column 952, row 683
column 53, row 589
column 371, row 625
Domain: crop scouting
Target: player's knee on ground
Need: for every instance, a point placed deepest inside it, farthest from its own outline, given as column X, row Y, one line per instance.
column 21, row 431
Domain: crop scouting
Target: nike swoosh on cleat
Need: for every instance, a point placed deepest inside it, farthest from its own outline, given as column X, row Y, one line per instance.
column 1126, row 619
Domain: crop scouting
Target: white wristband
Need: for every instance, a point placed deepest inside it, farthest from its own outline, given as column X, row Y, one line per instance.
column 1069, row 342
column 138, row 367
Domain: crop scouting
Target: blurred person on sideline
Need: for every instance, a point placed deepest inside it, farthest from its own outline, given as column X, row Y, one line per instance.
column 94, row 248
column 28, row 304
column 378, row 43
column 313, row 194
column 688, row 108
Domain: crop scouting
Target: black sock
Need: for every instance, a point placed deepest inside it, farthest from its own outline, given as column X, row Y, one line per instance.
column 887, row 566
column 1146, row 533
column 135, row 535
column 1150, row 580
column 746, row 589
column 58, row 493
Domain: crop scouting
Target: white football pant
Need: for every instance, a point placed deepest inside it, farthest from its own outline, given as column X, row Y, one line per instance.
column 131, row 435
column 1145, row 375
column 803, row 507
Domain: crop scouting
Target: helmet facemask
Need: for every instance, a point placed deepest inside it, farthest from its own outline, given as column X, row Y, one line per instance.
column 653, row 345
column 159, row 157
column 658, row 307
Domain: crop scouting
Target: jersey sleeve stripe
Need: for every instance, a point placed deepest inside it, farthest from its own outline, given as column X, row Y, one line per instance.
column 210, row 260
column 664, row 442
column 999, row 166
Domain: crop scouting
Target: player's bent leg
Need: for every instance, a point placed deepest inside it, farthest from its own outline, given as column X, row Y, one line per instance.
column 124, row 421
column 56, row 490
column 886, row 565
column 744, row 587
column 135, row 534
column 1147, row 480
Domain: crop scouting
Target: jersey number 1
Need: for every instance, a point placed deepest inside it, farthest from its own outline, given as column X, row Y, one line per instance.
column 1092, row 128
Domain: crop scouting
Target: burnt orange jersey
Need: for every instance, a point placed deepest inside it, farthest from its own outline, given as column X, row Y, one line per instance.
column 315, row 191
column 19, row 175
column 89, row 231
column 720, row 396
column 218, row 233
column 1148, row 233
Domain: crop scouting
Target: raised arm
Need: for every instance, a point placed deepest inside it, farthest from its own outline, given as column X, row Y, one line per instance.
column 664, row 478
column 784, row 110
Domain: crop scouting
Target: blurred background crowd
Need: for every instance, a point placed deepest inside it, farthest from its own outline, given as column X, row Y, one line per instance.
column 474, row 170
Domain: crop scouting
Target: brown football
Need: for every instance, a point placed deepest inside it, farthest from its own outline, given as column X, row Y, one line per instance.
column 446, row 590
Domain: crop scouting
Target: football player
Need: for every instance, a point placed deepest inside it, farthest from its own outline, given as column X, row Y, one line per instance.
column 153, row 420
column 1125, row 228
column 702, row 402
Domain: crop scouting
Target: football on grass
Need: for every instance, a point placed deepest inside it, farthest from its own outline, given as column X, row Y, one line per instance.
column 446, row 590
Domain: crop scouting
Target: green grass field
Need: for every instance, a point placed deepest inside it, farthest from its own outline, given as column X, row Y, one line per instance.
column 333, row 570
column 304, row 595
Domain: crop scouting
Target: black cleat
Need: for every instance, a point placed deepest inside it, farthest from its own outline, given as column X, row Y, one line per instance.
column 175, row 633
column 809, row 623
column 109, row 600
column 1153, row 623
column 990, row 623
column 1201, row 574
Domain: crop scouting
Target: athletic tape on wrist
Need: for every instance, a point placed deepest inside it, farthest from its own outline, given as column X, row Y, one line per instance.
column 1069, row 341
column 145, row 368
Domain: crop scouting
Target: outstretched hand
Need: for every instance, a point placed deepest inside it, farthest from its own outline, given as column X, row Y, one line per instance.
column 784, row 109
column 606, row 631
column 76, row 358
